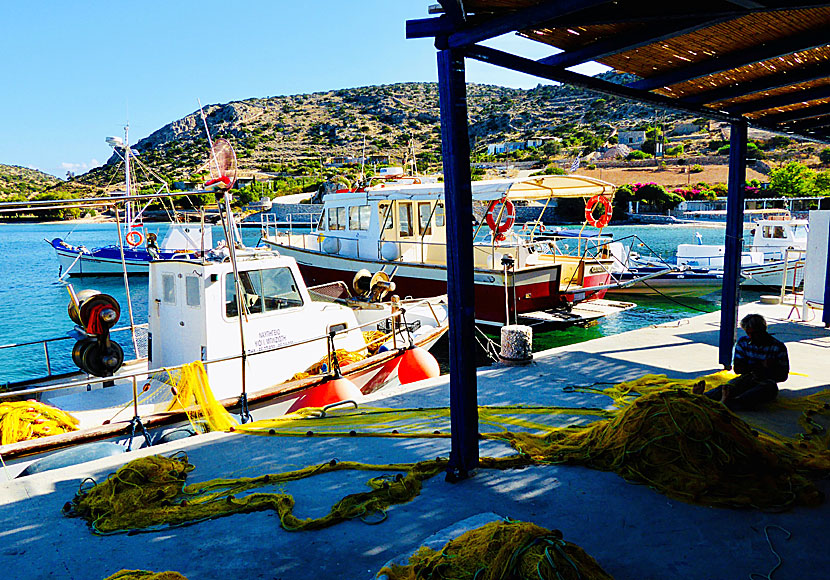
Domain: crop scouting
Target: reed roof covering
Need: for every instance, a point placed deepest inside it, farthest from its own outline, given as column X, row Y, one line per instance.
column 765, row 61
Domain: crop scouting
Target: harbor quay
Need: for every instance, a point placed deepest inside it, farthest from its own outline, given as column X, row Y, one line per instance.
column 632, row 531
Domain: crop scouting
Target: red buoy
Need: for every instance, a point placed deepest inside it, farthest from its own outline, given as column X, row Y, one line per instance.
column 416, row 365
column 332, row 391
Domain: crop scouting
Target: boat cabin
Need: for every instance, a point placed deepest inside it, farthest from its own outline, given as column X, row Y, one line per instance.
column 383, row 227
column 775, row 235
column 194, row 315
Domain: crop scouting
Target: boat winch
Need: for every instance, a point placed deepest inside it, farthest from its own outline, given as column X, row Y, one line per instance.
column 95, row 314
column 373, row 287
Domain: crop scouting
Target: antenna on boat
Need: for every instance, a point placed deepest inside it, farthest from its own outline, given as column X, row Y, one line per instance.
column 222, row 180
column 363, row 163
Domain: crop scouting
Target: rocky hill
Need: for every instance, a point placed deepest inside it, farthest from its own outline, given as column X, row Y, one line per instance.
column 270, row 134
column 15, row 180
column 291, row 135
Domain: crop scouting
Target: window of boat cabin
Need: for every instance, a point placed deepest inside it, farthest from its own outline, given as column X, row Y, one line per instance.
column 265, row 290
column 192, row 290
column 337, row 218
column 773, row 232
column 439, row 215
column 385, row 216
column 359, row 217
column 168, row 288
column 404, row 219
column 425, row 211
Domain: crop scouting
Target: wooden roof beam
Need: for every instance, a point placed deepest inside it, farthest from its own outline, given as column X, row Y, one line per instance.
column 534, row 68
column 624, row 43
column 783, row 100
column 532, row 16
column 656, row 13
column 783, row 119
column 773, row 81
column 806, row 125
column 726, row 62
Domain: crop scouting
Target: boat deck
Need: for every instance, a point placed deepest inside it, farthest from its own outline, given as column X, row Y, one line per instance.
column 633, row 531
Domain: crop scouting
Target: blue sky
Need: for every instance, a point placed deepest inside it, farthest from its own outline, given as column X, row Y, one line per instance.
column 76, row 72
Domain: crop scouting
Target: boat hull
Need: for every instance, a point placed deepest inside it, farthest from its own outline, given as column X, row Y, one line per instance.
column 530, row 289
column 685, row 283
column 106, row 261
column 369, row 375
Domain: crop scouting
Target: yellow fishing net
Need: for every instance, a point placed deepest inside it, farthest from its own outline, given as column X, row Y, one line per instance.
column 688, row 447
column 150, row 492
column 23, row 420
column 145, row 575
column 683, row 445
column 193, row 395
column 509, row 550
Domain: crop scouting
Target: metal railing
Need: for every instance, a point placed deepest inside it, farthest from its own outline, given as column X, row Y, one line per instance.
column 398, row 327
column 45, row 342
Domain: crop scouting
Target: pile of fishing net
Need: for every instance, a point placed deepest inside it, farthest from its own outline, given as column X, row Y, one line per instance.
column 192, row 393
column 502, row 550
column 150, row 493
column 24, row 420
column 145, row 575
column 321, row 367
column 690, row 448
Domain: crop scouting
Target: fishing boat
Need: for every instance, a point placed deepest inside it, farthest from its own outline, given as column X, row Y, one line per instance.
column 136, row 247
column 633, row 273
column 291, row 335
column 398, row 226
column 269, row 345
column 775, row 257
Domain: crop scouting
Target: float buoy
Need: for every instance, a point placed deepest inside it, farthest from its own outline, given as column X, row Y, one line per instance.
column 607, row 210
column 134, row 238
column 417, row 364
column 509, row 215
column 334, row 390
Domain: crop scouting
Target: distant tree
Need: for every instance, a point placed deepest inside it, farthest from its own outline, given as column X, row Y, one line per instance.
column 824, row 156
column 793, row 180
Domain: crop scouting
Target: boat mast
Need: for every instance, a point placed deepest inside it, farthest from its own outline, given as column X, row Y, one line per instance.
column 127, row 223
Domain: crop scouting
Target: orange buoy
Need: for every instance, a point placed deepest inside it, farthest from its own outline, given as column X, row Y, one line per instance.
column 416, row 365
column 332, row 391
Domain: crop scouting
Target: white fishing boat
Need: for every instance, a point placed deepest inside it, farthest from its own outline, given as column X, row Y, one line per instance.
column 269, row 345
column 775, row 257
column 398, row 226
column 632, row 274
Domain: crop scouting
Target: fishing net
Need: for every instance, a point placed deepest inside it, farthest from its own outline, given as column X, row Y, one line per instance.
column 344, row 357
column 149, row 493
column 690, row 448
column 145, row 575
column 502, row 550
column 23, row 420
column 685, row 446
column 192, row 393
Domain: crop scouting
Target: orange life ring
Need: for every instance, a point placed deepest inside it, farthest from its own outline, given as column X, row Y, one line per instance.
column 134, row 238
column 607, row 209
column 509, row 215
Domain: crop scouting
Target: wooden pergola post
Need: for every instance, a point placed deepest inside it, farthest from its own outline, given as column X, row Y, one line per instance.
column 455, row 148
column 731, row 293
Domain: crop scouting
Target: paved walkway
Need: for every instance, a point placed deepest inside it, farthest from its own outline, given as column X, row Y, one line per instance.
column 634, row 532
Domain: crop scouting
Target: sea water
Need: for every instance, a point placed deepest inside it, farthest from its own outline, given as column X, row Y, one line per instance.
column 33, row 301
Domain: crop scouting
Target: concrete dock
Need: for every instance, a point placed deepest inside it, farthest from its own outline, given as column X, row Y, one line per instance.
column 631, row 530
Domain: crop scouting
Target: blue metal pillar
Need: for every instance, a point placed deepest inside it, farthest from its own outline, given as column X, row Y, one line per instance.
column 455, row 148
column 825, row 313
column 731, row 293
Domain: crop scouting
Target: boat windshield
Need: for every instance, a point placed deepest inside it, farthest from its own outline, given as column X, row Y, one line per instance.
column 262, row 291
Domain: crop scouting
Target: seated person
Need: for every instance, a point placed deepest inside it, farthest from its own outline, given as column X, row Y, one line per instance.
column 760, row 361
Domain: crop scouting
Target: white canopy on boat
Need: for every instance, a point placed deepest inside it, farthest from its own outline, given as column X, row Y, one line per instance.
column 528, row 188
